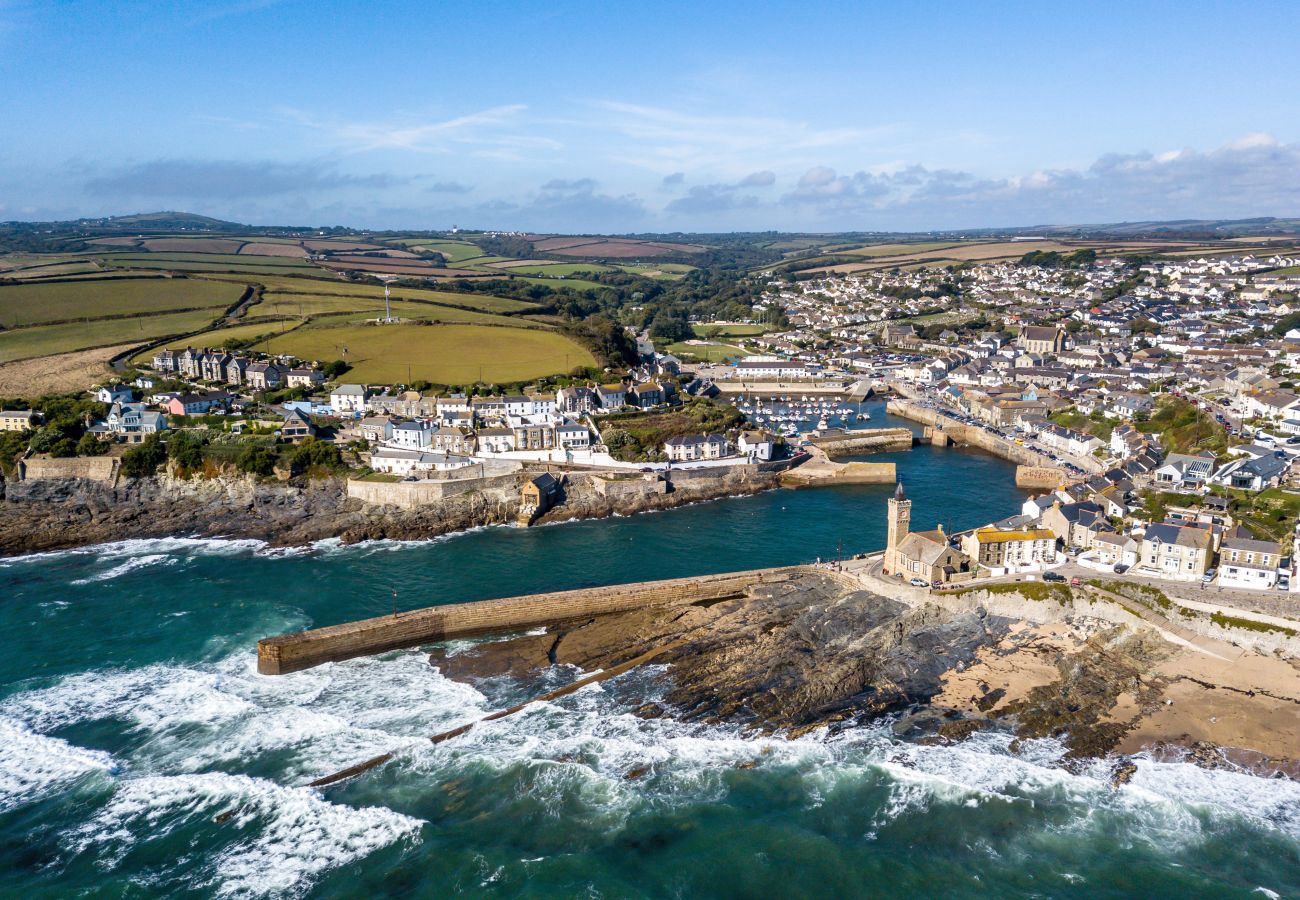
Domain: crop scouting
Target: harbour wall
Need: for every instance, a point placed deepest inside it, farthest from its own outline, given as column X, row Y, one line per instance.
column 868, row 440
column 103, row 469
column 840, row 473
column 1045, row 477
column 287, row 653
column 414, row 494
column 942, row 431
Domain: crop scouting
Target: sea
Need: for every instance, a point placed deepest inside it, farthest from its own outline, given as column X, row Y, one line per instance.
column 141, row 755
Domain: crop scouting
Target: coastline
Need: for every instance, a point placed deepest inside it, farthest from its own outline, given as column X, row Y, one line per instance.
column 66, row 513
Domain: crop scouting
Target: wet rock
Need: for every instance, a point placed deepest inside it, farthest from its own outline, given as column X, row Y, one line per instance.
column 1122, row 772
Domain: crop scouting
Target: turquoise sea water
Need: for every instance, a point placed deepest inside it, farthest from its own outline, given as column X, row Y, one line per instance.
column 141, row 755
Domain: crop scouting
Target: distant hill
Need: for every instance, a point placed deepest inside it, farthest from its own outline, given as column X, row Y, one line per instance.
column 164, row 221
column 1182, row 229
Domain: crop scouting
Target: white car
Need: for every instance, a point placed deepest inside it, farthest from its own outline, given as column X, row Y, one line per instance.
column 919, row 582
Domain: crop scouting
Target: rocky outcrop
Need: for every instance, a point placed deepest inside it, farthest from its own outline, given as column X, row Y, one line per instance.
column 785, row 656
column 55, row 513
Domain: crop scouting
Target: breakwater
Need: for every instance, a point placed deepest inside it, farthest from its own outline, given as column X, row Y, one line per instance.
column 942, row 430
column 294, row 652
column 863, row 440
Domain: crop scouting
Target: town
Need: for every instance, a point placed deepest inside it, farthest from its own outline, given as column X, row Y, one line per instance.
column 1155, row 395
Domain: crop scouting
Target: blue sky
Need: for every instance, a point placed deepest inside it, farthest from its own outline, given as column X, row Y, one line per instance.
column 564, row 116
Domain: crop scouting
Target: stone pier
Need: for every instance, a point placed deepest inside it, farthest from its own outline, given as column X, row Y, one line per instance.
column 304, row 649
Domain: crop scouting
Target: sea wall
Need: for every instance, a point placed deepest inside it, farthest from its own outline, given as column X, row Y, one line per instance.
column 943, row 430
column 423, row 492
column 302, row 650
column 867, row 440
column 1046, row 477
column 102, row 469
column 841, row 473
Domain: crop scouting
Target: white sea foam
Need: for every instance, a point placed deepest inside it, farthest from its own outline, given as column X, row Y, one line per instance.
column 33, row 765
column 299, row 835
column 146, row 546
column 131, row 565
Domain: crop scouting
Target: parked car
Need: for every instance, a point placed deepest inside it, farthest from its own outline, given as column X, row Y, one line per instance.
column 1283, row 582
column 919, row 582
column 1120, row 568
column 1075, row 581
column 1052, row 576
column 1209, row 576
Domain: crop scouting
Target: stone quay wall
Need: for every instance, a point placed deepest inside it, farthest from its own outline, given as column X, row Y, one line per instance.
column 1046, row 477
column 305, row 649
column 92, row 468
column 414, row 494
column 866, row 440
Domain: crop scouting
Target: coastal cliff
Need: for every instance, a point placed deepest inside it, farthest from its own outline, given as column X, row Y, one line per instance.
column 56, row 513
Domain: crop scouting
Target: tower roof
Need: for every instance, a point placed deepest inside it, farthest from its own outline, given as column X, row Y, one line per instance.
column 898, row 492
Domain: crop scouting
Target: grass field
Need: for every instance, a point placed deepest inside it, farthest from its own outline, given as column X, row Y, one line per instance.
column 454, row 251
column 557, row 269
column 357, row 309
column 730, row 329
column 46, row 340
column 577, row 284
column 447, row 354
column 713, row 352
column 658, row 270
column 168, row 260
column 218, row 336
column 333, row 287
column 33, row 304
column 899, row 249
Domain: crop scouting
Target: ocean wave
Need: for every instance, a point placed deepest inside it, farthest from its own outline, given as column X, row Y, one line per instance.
column 33, row 765
column 131, row 565
column 298, row 835
column 134, row 547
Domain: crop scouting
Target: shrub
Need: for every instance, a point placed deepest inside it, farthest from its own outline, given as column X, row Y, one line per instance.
column 142, row 460
column 256, row 459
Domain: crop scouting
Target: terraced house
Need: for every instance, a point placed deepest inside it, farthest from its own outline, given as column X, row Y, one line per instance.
column 1178, row 552
column 1248, row 563
column 1020, row 550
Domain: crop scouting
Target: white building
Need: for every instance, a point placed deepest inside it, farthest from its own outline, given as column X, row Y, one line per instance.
column 1247, row 563
column 349, row 399
column 403, row 461
column 412, row 435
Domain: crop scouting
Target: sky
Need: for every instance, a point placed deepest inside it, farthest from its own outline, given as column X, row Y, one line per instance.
column 621, row 117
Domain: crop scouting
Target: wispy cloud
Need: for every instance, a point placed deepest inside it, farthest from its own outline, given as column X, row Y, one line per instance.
column 495, row 131
column 667, row 140
column 228, row 179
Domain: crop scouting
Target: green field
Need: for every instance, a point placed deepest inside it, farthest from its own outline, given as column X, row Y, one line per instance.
column 713, row 352
column 446, row 354
column 665, row 270
column 46, row 340
column 454, row 251
column 316, row 287
column 576, row 284
column 161, row 259
column 33, row 304
column 557, row 269
column 218, row 336
column 900, row 249
column 355, row 309
column 730, row 330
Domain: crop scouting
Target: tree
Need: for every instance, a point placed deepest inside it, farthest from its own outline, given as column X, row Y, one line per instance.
column 186, row 450
column 256, row 459
column 143, row 460
column 313, row 454
column 89, row 445
column 336, row 368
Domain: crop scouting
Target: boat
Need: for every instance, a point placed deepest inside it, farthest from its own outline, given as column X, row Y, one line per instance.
column 822, row 424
